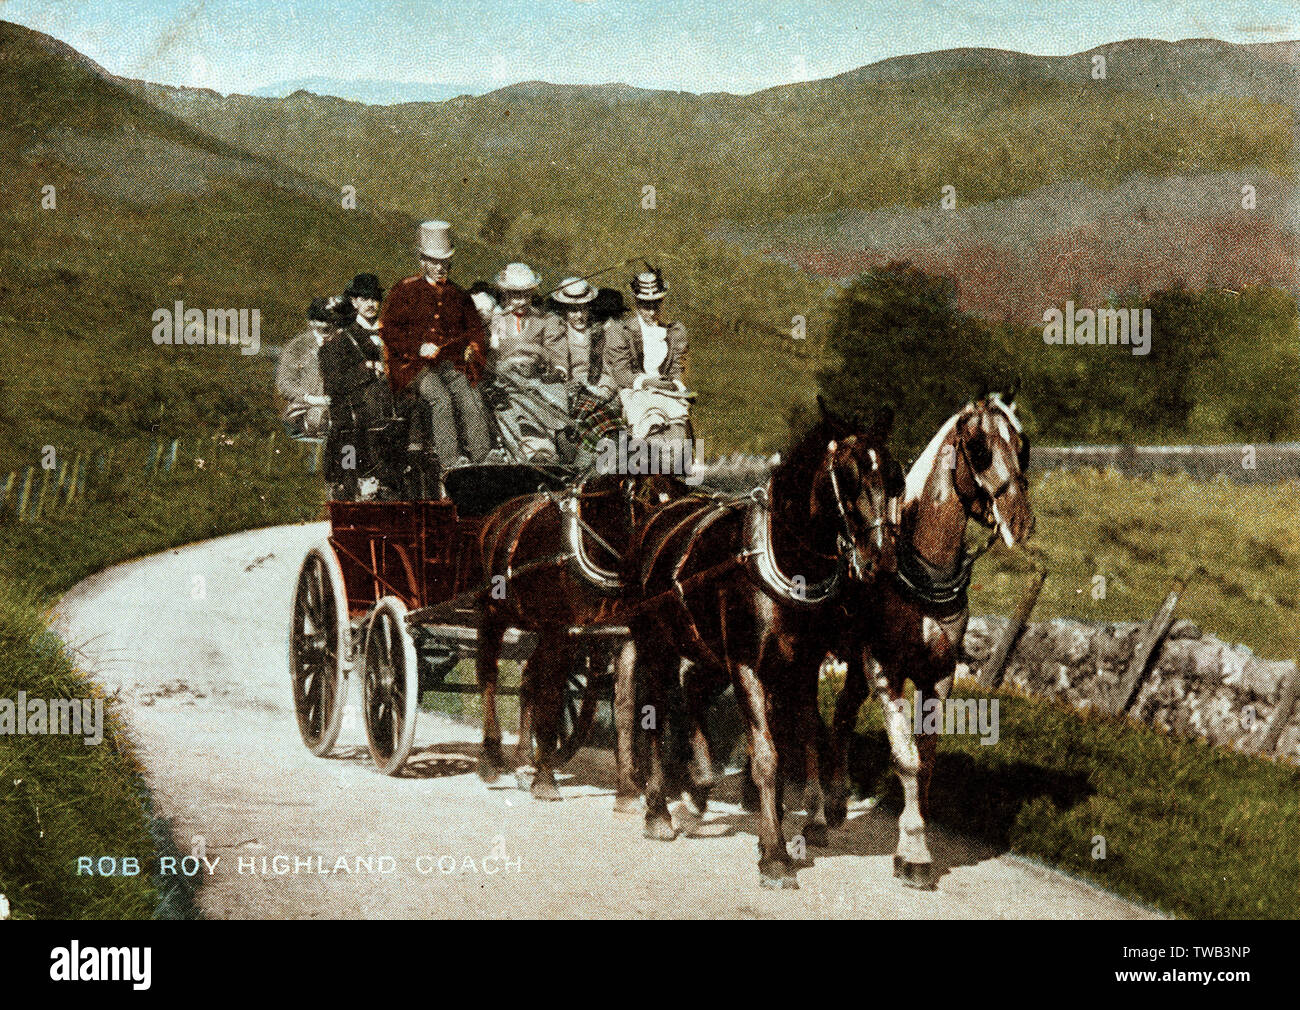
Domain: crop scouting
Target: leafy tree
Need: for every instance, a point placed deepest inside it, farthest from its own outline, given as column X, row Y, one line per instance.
column 896, row 336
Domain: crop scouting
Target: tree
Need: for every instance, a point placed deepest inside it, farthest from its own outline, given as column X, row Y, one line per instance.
column 897, row 337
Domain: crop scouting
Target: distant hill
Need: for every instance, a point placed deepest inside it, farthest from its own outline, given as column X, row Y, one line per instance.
column 577, row 179
column 149, row 210
column 368, row 91
column 1189, row 68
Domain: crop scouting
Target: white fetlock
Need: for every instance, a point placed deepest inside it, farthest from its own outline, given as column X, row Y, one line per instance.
column 911, row 838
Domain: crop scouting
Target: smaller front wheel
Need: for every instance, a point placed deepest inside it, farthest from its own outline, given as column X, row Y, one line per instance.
column 390, row 685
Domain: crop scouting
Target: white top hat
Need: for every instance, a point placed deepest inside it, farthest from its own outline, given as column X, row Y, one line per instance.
column 575, row 291
column 518, row 277
column 435, row 240
column 648, row 286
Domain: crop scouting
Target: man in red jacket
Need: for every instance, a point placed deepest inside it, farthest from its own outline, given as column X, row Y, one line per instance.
column 435, row 341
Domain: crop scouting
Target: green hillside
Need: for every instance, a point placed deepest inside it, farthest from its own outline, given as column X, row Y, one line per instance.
column 557, row 174
column 149, row 210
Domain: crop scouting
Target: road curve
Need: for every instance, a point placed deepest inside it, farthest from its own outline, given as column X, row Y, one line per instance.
column 195, row 641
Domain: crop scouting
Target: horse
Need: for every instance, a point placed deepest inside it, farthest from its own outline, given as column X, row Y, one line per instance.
column 742, row 587
column 913, row 623
column 552, row 561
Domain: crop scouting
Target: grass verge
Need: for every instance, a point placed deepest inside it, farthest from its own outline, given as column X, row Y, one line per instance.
column 1192, row 829
column 61, row 799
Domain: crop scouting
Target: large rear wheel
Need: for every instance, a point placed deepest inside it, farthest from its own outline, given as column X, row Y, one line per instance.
column 319, row 641
column 390, row 685
column 581, row 696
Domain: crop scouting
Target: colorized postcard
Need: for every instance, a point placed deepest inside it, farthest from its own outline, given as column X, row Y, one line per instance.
column 601, row 459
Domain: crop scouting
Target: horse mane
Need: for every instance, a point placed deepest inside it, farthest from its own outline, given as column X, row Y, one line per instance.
column 792, row 476
column 925, row 463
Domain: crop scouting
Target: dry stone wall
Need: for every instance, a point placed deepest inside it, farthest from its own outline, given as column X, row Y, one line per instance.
column 1196, row 685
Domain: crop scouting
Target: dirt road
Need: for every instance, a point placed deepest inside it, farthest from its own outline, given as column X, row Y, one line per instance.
column 195, row 639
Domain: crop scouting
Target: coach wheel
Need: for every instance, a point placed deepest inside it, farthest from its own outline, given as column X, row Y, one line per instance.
column 390, row 685
column 319, row 643
column 581, row 695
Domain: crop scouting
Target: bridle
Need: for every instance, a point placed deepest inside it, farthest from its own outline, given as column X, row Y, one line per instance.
column 983, row 513
column 844, row 540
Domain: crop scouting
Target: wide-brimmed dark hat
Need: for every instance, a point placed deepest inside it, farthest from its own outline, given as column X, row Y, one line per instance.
column 364, row 286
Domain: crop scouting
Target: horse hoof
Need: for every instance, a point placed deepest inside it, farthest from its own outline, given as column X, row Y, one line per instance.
column 837, row 812
column 627, row 804
column 777, row 878
column 543, row 789
column 524, row 778
column 918, row 875
column 660, row 829
column 815, row 833
column 688, row 821
column 488, row 770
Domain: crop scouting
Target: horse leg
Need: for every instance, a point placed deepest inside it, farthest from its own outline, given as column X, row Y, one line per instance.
column 774, row 866
column 658, row 821
column 928, row 747
column 699, row 689
column 811, row 729
column 850, row 699
column 548, row 699
column 491, row 761
column 627, row 792
column 525, row 758
column 912, row 862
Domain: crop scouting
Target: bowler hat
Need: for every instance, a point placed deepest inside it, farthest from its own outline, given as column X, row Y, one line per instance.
column 364, row 286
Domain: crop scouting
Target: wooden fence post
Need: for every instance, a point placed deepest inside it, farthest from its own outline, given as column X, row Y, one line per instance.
column 1153, row 634
column 1287, row 694
column 25, row 495
column 40, row 498
column 991, row 672
column 72, row 479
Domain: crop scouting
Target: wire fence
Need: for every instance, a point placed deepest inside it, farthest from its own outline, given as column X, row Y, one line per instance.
column 40, row 492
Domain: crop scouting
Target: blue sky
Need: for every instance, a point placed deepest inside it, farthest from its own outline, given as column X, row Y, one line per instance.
column 692, row 45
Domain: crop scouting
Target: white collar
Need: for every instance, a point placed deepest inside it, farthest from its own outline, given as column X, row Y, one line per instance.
column 365, row 325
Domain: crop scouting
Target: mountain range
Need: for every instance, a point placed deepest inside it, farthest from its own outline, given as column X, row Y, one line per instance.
column 235, row 201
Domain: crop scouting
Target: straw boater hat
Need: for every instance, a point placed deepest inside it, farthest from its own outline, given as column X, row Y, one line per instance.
column 435, row 240
column 518, row 277
column 648, row 286
column 575, row 291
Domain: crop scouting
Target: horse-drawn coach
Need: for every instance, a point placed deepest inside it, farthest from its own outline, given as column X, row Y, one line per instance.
column 389, row 601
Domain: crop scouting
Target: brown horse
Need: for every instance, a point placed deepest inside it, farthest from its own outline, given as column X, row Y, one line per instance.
column 553, row 562
column 914, row 622
column 744, row 586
